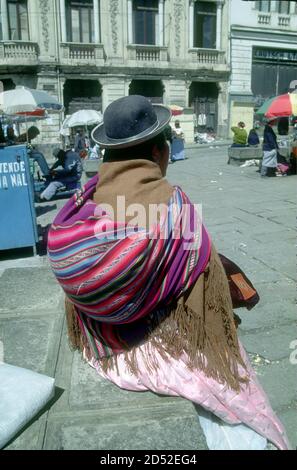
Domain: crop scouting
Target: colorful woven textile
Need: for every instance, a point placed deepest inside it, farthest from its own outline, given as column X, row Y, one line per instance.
column 119, row 276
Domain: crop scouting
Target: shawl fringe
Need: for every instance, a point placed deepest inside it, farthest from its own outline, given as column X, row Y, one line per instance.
column 207, row 335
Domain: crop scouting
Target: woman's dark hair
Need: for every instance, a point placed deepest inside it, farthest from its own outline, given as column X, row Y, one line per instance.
column 10, row 132
column 142, row 151
column 283, row 126
column 2, row 136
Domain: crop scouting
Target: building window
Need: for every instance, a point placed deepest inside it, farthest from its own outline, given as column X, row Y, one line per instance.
column 79, row 17
column 145, row 17
column 263, row 5
column 283, row 7
column 18, row 20
column 205, row 25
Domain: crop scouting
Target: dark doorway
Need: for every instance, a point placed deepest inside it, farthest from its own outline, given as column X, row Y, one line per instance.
column 82, row 94
column 203, row 98
column 152, row 89
column 8, row 84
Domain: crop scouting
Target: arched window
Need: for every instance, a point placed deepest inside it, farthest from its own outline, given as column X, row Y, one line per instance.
column 18, row 20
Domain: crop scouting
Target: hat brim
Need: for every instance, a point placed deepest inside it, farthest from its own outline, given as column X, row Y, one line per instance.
column 163, row 118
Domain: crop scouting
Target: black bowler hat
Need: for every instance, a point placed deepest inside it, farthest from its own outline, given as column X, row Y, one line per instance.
column 130, row 121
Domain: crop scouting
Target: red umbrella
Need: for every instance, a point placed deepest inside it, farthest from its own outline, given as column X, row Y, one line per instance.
column 279, row 106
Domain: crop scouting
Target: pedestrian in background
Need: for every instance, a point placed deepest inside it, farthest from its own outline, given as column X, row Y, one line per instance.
column 178, row 143
column 79, row 143
column 270, row 148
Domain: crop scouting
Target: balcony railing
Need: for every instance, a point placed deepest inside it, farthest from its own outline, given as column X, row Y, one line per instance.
column 144, row 53
column 19, row 52
column 284, row 21
column 207, row 56
column 82, row 54
column 264, row 18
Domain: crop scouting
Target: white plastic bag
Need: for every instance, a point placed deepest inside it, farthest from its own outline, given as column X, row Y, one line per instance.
column 223, row 436
column 23, row 394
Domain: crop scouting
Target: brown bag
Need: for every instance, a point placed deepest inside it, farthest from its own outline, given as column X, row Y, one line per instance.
column 242, row 291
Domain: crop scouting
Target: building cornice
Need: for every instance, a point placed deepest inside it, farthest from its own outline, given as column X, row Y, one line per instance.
column 146, row 73
column 265, row 35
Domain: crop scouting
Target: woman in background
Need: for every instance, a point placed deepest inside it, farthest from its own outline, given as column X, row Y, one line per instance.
column 270, row 148
column 253, row 138
column 240, row 135
column 178, row 143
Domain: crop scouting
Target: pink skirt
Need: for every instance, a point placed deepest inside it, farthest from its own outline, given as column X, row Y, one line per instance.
column 250, row 406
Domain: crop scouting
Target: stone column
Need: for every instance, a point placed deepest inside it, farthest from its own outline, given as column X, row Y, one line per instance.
column 96, row 21
column 130, row 22
column 4, row 18
column 222, row 129
column 63, row 21
column 219, row 25
column 191, row 24
column 160, row 41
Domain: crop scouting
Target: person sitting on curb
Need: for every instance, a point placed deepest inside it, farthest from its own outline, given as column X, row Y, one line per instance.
column 253, row 138
column 68, row 176
column 240, row 135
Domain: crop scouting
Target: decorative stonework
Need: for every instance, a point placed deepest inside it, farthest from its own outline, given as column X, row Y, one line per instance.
column 178, row 14
column 44, row 10
column 114, row 12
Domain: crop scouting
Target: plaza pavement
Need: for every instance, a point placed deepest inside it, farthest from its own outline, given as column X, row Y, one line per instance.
column 252, row 221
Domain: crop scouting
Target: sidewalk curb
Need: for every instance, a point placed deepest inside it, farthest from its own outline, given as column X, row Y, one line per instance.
column 224, row 143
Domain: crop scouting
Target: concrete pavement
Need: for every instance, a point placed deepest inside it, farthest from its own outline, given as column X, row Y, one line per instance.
column 252, row 221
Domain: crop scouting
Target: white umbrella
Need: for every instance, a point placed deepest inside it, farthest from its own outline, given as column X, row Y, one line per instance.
column 84, row 117
column 22, row 100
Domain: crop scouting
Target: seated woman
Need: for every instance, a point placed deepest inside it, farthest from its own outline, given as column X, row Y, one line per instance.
column 253, row 138
column 240, row 135
column 147, row 298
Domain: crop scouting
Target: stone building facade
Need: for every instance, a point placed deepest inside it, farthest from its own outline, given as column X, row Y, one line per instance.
column 89, row 52
column 263, row 54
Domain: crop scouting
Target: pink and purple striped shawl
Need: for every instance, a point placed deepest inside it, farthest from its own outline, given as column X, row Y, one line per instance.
column 119, row 277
